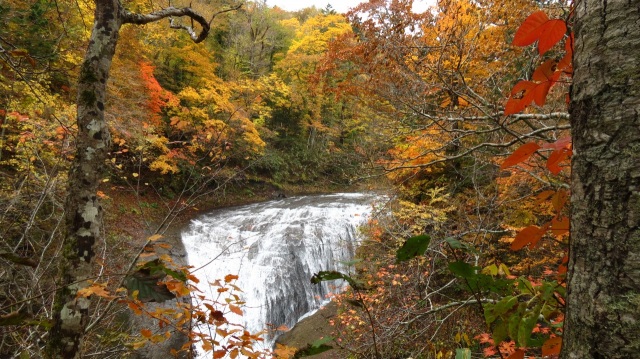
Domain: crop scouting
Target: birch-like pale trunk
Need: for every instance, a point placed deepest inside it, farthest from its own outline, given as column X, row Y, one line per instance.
column 83, row 210
column 603, row 303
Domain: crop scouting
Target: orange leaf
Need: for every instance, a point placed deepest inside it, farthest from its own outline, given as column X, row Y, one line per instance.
column 218, row 316
column 555, row 158
column 543, row 196
column 235, row 309
column 562, row 269
column 545, row 71
column 518, row 101
column 528, row 236
column 95, row 289
column 539, row 93
column 538, row 27
column 560, row 226
column 146, row 333
column 566, row 63
column 531, row 29
column 559, row 200
column 514, row 105
column 518, row 354
column 552, row 346
column 135, row 308
column 521, row 154
column 525, row 92
column 229, row 277
column 154, row 237
column 552, row 32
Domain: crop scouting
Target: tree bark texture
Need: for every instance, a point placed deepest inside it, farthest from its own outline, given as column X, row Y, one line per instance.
column 83, row 218
column 83, row 210
column 603, row 301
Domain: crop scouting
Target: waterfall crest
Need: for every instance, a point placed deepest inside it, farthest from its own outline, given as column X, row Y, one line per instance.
column 275, row 247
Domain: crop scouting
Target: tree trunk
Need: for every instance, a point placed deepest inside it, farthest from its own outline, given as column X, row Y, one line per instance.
column 83, row 210
column 603, row 302
column 83, row 222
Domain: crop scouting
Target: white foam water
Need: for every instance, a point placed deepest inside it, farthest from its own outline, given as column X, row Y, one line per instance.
column 275, row 248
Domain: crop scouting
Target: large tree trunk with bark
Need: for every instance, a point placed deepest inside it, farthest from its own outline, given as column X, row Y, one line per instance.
column 603, row 305
column 83, row 210
column 83, row 222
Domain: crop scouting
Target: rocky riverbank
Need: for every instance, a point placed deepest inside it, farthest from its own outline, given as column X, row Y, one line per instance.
column 311, row 329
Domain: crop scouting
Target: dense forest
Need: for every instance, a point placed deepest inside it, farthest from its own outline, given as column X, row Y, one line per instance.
column 494, row 125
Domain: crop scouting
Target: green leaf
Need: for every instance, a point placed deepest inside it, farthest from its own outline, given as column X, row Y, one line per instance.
column 333, row 275
column 499, row 332
column 351, row 262
column 491, row 270
column 317, row 347
column 456, row 244
column 489, row 313
column 514, row 320
column 413, row 247
column 156, row 267
column 462, row 269
column 526, row 326
column 504, row 269
column 146, row 281
column 322, row 341
column 547, row 290
column 505, row 305
column 524, row 285
column 463, row 353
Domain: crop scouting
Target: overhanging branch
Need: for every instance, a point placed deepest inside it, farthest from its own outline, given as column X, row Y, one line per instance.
column 172, row 12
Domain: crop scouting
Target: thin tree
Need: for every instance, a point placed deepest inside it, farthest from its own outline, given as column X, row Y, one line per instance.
column 83, row 210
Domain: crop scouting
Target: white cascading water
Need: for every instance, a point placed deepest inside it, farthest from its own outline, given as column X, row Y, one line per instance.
column 275, row 248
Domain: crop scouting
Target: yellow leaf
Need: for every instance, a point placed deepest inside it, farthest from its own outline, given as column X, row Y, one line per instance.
column 154, row 237
column 96, row 289
column 139, row 344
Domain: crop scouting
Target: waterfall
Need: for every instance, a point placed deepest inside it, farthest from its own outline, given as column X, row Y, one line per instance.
column 275, row 247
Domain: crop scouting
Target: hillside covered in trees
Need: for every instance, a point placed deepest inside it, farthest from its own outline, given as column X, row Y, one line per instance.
column 119, row 118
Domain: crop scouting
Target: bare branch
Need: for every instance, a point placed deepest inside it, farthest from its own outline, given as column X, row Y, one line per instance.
column 225, row 10
column 170, row 12
column 480, row 146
